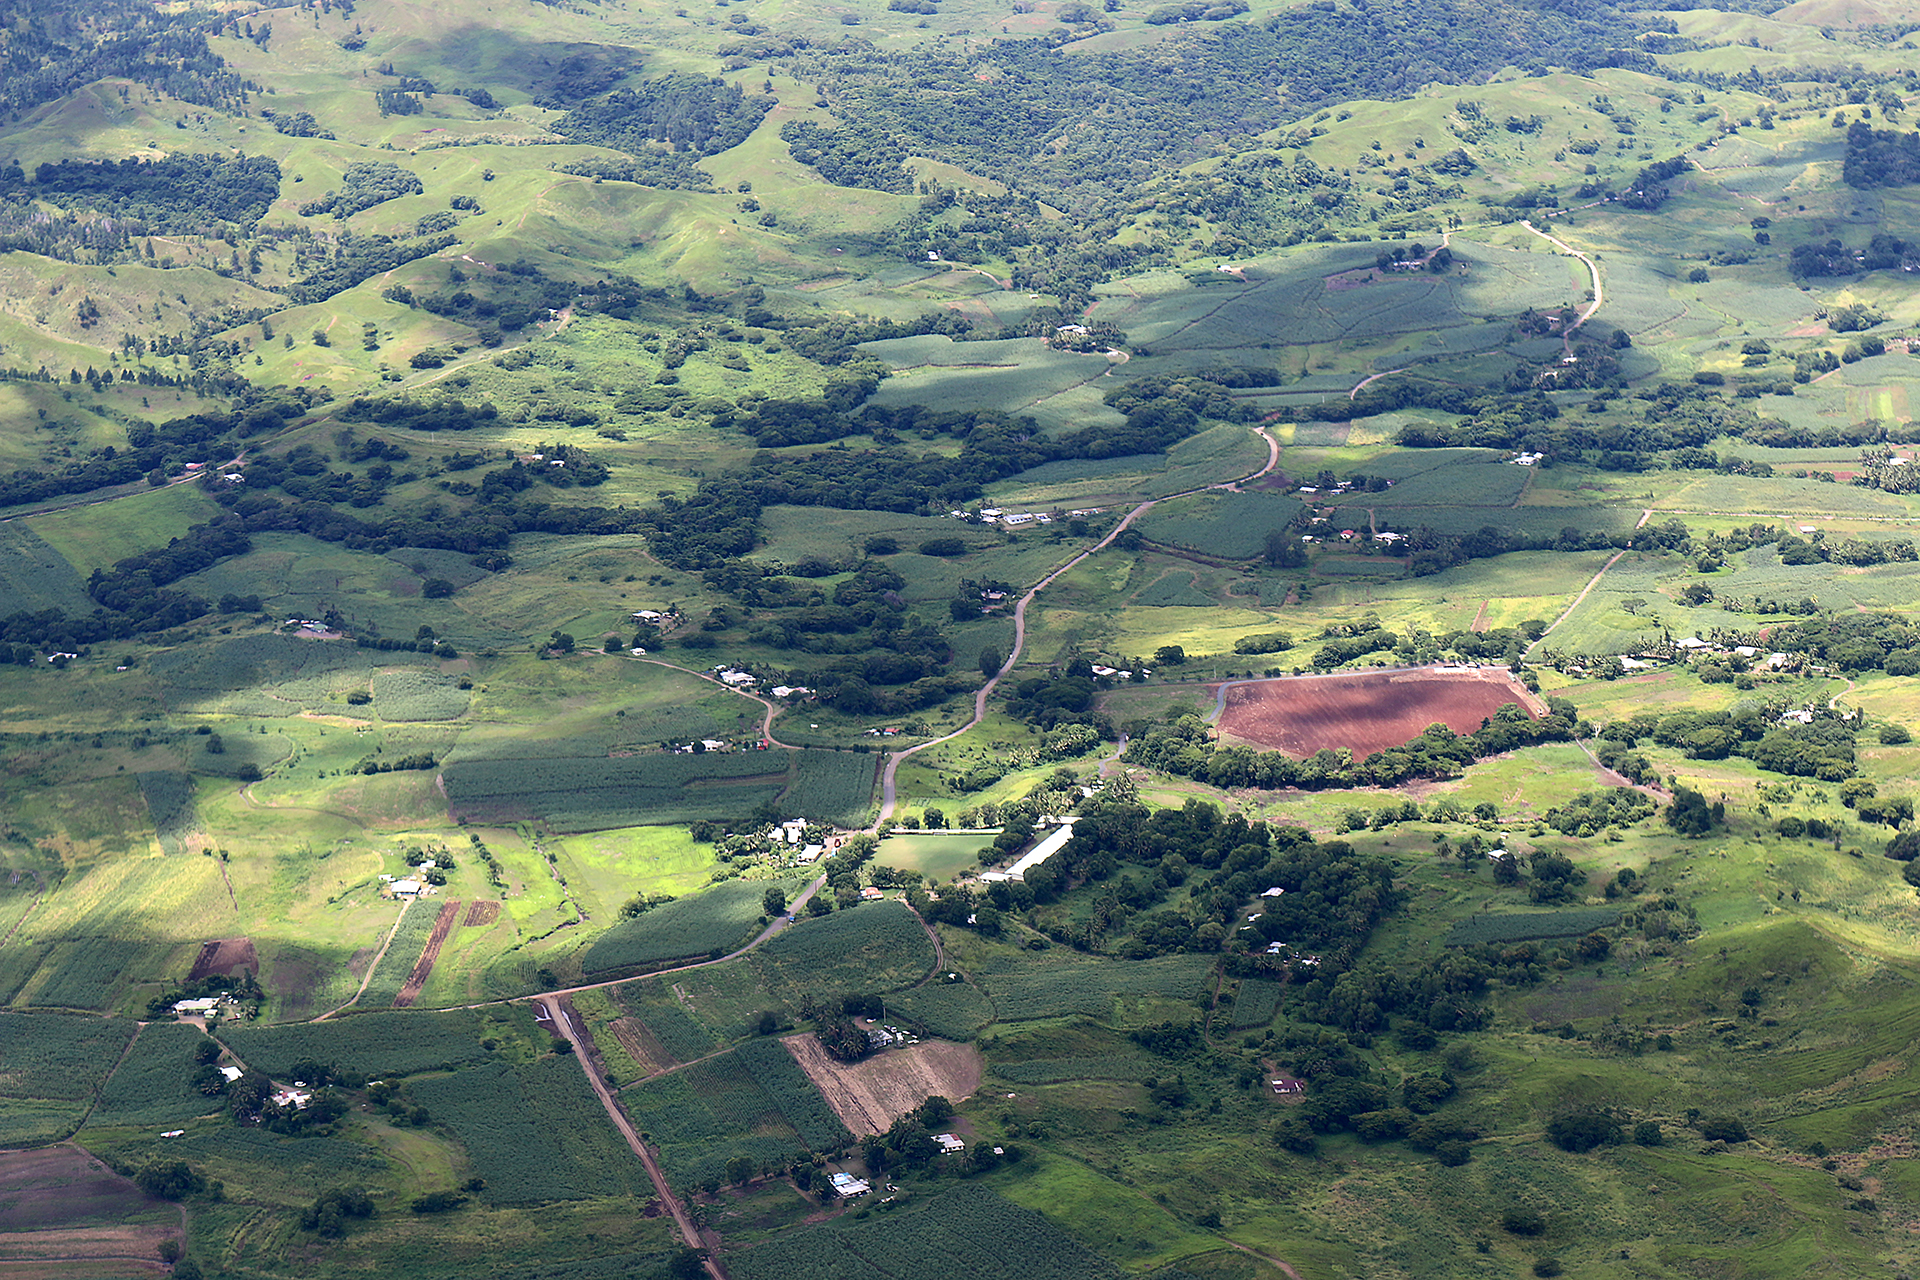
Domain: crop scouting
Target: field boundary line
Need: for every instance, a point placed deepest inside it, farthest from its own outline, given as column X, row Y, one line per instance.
column 371, row 965
column 1568, row 611
column 559, row 1016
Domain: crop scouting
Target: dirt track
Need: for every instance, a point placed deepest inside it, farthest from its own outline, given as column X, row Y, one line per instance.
column 1365, row 711
column 870, row 1095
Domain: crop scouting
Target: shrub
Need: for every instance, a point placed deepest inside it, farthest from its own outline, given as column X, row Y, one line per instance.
column 1524, row 1222
column 1723, row 1129
column 1583, row 1131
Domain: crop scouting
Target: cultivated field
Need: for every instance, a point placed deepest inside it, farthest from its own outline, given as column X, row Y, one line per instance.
column 1368, row 711
column 65, row 1214
column 871, row 1094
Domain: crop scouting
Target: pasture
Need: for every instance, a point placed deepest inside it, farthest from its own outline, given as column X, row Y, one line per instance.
column 937, row 855
column 94, row 537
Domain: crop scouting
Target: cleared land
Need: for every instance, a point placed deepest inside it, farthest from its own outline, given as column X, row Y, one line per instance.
column 223, row 956
column 870, row 1095
column 1366, row 711
column 64, row 1213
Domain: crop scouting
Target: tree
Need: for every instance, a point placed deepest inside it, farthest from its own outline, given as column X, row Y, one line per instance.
column 170, row 1180
column 1690, row 814
column 1170, row 655
column 775, row 900
column 990, row 661
column 688, row 1264
column 1524, row 1222
column 1283, row 550
column 1583, row 1131
column 739, row 1170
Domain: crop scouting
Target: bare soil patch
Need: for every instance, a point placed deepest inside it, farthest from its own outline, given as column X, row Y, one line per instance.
column 641, row 1045
column 223, row 956
column 1367, row 711
column 482, row 913
column 80, row 1253
column 870, row 1095
column 442, row 926
column 60, row 1206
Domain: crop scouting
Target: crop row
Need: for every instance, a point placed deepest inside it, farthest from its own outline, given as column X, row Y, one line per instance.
column 966, row 1231
column 873, row 948
column 832, row 786
column 403, row 951
column 1091, row 987
column 775, row 1071
column 379, row 1044
column 169, row 797
column 534, row 1131
column 950, row 1010
column 717, row 919
column 58, row 1056
column 1258, row 1000
column 86, row 972
column 1479, row 930
column 418, row 695
column 707, row 1114
column 152, row 1085
column 581, row 794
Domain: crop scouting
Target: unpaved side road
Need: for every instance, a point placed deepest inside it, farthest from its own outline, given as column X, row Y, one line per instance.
column 558, row 1019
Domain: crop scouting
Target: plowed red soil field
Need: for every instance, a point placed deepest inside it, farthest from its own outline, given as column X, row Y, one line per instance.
column 1366, row 711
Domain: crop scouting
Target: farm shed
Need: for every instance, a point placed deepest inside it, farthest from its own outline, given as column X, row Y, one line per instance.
column 1040, row 852
column 846, row 1186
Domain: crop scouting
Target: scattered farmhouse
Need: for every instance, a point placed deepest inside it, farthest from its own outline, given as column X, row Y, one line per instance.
column 846, row 1186
column 950, row 1143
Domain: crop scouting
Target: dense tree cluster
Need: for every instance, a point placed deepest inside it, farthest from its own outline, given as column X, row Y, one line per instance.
column 175, row 193
column 365, row 184
column 681, row 112
column 1185, row 748
column 1820, row 745
column 1880, row 157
